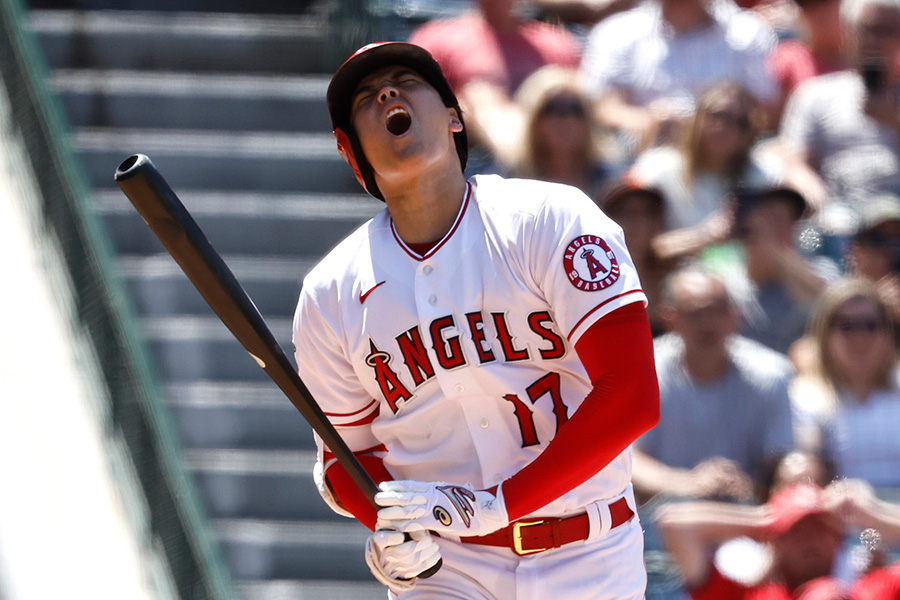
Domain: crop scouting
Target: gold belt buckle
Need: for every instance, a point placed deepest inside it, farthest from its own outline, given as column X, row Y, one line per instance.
column 517, row 537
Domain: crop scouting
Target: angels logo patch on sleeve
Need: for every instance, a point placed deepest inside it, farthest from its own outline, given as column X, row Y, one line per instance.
column 590, row 264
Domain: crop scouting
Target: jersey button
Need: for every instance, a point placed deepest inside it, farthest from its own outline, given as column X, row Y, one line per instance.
column 432, row 300
column 460, row 388
column 485, row 423
column 427, row 269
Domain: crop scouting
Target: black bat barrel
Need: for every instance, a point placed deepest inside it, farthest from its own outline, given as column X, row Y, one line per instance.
column 179, row 233
column 167, row 217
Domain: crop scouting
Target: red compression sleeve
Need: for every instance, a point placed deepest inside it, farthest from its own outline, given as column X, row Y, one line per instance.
column 348, row 494
column 617, row 353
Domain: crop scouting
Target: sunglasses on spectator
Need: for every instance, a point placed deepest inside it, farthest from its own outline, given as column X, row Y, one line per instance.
column 563, row 107
column 729, row 118
column 858, row 325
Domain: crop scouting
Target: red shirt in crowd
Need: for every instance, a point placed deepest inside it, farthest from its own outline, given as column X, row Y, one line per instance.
column 719, row 587
column 882, row 584
column 792, row 63
column 469, row 49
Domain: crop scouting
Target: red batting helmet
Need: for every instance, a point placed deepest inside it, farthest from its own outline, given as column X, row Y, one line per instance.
column 355, row 69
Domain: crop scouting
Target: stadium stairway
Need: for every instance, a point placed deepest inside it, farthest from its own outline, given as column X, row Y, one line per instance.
column 231, row 110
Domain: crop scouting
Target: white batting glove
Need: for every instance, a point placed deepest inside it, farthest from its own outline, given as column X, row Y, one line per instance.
column 396, row 560
column 455, row 509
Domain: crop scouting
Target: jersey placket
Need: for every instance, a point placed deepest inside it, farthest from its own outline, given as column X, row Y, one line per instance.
column 435, row 280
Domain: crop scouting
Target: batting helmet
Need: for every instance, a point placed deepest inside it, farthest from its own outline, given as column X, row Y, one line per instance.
column 343, row 85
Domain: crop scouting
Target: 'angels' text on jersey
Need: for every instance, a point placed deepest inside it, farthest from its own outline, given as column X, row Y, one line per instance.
column 449, row 352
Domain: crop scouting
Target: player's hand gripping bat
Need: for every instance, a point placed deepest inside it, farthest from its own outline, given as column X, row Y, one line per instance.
column 179, row 233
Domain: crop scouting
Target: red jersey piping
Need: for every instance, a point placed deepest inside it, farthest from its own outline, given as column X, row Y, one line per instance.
column 598, row 307
column 356, row 412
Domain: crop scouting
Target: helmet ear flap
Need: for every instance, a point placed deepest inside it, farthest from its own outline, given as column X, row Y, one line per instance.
column 351, row 151
column 345, row 148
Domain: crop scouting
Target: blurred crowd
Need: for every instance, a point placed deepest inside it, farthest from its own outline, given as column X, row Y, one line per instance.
column 750, row 150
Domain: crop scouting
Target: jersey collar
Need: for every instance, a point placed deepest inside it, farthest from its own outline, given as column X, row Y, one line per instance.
column 416, row 256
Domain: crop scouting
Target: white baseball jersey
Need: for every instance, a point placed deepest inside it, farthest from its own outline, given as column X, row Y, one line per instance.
column 461, row 363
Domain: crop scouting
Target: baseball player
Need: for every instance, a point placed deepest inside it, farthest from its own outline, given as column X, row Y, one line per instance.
column 484, row 349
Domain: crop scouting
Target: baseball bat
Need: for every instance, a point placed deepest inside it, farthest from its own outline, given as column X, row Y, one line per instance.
column 185, row 241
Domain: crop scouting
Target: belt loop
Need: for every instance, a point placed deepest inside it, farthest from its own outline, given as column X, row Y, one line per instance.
column 629, row 498
column 605, row 519
column 595, row 518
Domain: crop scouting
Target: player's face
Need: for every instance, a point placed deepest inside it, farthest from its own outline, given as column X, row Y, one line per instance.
column 402, row 123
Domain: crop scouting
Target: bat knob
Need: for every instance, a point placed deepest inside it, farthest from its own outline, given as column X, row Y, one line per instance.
column 431, row 570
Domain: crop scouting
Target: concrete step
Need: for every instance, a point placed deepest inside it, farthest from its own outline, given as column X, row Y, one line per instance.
column 246, row 223
column 188, row 41
column 263, row 162
column 188, row 348
column 231, row 414
column 187, row 100
column 310, row 590
column 288, row 550
column 159, row 288
column 259, row 484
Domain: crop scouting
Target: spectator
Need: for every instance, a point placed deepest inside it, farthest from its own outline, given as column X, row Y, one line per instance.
column 560, row 141
column 640, row 212
column 816, row 50
column 715, row 154
column 790, row 467
column 875, row 249
column 875, row 524
column 582, row 12
column 783, row 283
column 841, row 131
column 802, row 529
column 647, row 66
column 858, row 408
column 872, row 253
column 486, row 54
column 724, row 406
column 781, row 15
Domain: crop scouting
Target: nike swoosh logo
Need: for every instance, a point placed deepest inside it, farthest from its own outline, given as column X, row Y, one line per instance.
column 364, row 295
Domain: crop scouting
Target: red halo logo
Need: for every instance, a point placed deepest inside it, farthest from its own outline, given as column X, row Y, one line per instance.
column 590, row 264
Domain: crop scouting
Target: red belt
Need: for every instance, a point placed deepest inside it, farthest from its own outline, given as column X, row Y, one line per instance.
column 530, row 537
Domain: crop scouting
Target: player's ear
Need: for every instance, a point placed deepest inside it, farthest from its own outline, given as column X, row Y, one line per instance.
column 455, row 122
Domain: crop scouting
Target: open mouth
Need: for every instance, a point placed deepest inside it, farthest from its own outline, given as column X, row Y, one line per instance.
column 398, row 121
